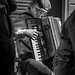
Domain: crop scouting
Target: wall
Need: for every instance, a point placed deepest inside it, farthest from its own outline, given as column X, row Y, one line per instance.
column 21, row 7
column 56, row 9
column 71, row 6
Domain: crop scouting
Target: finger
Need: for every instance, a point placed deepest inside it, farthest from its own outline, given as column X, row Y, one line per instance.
column 34, row 37
column 36, row 33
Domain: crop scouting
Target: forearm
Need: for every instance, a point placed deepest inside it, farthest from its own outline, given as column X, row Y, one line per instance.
column 22, row 31
column 34, row 67
column 37, row 68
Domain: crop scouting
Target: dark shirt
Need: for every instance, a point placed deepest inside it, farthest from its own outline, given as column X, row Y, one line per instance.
column 64, row 56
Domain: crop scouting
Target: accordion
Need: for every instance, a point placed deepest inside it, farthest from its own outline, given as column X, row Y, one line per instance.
column 49, row 38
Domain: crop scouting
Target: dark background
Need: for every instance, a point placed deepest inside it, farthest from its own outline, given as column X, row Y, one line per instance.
column 56, row 9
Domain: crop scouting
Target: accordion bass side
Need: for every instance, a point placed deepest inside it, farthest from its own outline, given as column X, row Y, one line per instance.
column 49, row 38
column 51, row 31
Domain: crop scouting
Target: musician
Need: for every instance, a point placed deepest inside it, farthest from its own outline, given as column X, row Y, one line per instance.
column 63, row 61
column 28, row 64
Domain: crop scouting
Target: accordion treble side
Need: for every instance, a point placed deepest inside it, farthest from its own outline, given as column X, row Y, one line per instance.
column 49, row 39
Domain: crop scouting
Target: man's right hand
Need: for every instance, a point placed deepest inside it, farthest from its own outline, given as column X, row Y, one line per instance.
column 31, row 33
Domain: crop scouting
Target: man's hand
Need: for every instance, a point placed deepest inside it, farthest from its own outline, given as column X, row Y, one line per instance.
column 31, row 33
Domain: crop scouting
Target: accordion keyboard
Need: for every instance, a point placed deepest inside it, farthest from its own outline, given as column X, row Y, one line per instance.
column 36, row 49
column 36, row 43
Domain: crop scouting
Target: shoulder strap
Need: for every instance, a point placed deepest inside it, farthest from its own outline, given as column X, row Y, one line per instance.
column 27, row 13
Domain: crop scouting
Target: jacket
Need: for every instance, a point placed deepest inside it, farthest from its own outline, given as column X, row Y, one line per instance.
column 64, row 57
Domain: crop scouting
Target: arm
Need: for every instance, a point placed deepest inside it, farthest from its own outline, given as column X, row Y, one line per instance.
column 31, row 33
column 34, row 67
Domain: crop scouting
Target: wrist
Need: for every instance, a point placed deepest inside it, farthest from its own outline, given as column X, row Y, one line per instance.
column 25, row 31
